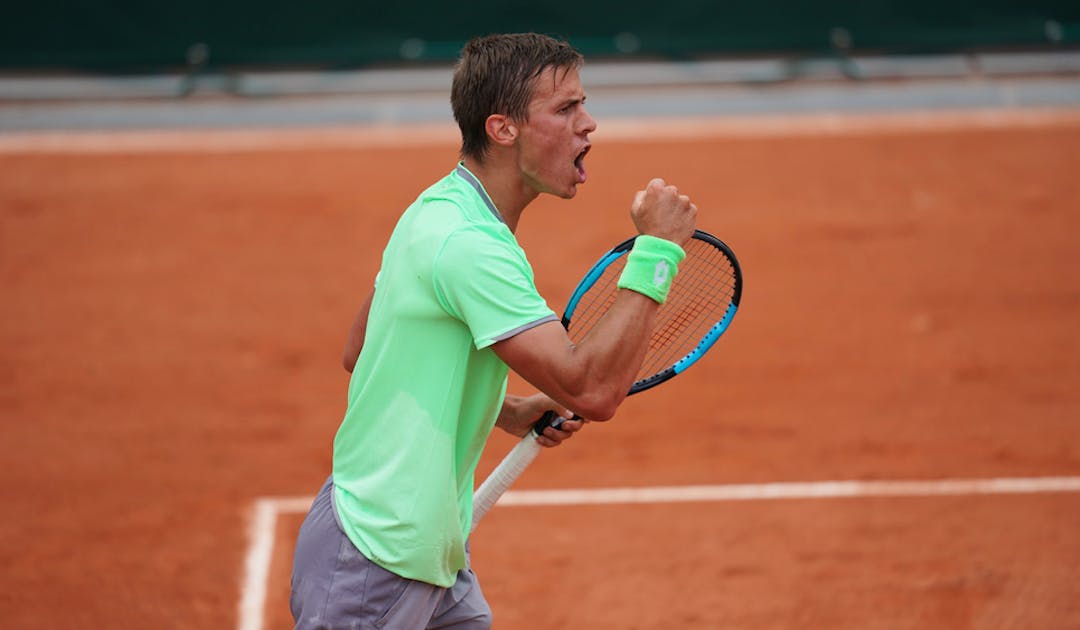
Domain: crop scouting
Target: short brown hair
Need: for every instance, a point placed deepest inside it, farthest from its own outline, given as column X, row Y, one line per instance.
column 495, row 76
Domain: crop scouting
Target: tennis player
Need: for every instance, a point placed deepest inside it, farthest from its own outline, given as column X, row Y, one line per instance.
column 454, row 306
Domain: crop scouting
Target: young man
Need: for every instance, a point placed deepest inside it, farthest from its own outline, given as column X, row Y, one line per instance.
column 455, row 306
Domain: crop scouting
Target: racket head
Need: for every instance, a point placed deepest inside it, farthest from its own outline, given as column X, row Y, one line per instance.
column 703, row 299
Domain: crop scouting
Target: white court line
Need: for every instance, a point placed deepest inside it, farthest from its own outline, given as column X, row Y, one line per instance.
column 257, row 564
column 266, row 510
column 260, row 551
column 128, row 141
column 805, row 490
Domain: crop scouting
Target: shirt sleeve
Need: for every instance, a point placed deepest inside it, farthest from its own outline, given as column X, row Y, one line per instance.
column 487, row 283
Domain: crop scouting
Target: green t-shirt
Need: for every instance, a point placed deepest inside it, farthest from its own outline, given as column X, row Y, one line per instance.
column 427, row 386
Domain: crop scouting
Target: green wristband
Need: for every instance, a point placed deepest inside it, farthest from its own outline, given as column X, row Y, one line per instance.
column 651, row 267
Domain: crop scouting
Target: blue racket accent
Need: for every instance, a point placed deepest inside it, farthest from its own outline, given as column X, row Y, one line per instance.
column 590, row 279
column 707, row 341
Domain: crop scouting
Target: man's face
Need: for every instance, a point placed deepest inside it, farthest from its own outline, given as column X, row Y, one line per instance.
column 553, row 143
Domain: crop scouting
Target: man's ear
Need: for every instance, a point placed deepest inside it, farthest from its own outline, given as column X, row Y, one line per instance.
column 501, row 130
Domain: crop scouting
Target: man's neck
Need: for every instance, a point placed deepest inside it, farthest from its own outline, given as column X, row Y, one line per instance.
column 503, row 183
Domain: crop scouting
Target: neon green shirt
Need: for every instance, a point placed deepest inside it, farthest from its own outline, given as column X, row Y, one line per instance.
column 427, row 387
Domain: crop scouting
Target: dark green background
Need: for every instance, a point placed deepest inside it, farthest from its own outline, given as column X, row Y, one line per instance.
column 115, row 35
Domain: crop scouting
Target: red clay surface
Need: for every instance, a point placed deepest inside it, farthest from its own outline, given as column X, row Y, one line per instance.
column 172, row 326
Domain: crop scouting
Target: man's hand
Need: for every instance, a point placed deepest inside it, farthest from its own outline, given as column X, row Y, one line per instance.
column 519, row 414
column 661, row 211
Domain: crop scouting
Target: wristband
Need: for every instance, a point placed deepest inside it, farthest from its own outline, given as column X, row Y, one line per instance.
column 651, row 267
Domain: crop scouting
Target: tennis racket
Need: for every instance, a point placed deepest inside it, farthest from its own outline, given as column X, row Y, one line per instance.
column 700, row 305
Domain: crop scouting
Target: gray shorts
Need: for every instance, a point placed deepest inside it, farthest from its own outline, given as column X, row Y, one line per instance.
column 335, row 586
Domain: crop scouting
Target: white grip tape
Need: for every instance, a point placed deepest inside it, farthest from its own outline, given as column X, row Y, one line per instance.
column 504, row 475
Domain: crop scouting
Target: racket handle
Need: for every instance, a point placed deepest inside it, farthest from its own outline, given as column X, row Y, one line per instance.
column 504, row 475
column 511, row 467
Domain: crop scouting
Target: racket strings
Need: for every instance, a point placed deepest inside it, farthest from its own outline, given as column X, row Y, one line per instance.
column 699, row 298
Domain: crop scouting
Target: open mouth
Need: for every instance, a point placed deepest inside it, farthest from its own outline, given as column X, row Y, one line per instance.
column 579, row 163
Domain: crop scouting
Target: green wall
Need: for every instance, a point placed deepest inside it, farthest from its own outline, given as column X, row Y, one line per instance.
column 114, row 35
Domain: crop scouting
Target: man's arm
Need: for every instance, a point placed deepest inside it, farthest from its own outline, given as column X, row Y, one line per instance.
column 592, row 378
column 355, row 340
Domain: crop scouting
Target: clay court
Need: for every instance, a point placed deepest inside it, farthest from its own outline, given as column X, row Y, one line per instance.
column 173, row 320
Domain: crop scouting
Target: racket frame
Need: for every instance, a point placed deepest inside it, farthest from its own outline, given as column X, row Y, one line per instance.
column 525, row 451
column 707, row 340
